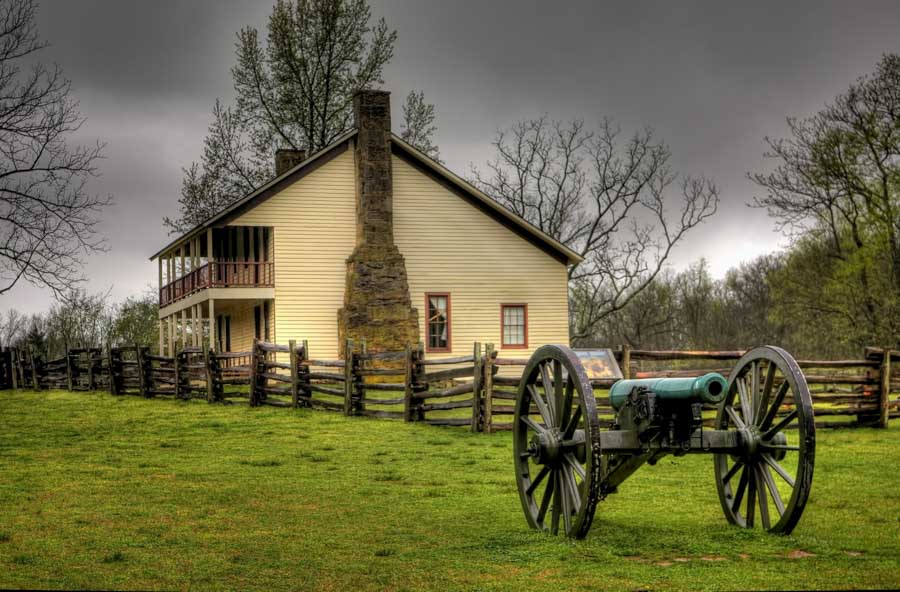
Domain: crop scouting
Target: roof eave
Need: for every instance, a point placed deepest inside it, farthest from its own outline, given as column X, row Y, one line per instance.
column 250, row 196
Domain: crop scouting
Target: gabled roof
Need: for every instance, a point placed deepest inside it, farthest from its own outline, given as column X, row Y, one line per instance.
column 484, row 202
column 422, row 162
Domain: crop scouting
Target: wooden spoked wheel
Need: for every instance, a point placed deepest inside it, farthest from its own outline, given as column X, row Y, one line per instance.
column 556, row 443
column 767, row 483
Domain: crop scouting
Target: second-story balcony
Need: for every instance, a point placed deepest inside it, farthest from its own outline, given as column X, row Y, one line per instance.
column 219, row 274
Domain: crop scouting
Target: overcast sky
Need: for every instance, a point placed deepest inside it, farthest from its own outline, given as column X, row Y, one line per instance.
column 712, row 78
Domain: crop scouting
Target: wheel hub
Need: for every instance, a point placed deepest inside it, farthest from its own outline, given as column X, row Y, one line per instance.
column 546, row 448
column 549, row 447
column 751, row 438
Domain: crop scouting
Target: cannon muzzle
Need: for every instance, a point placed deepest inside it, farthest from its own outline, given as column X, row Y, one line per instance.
column 709, row 388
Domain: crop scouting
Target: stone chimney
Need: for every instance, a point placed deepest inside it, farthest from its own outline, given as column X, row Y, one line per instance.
column 377, row 305
column 286, row 159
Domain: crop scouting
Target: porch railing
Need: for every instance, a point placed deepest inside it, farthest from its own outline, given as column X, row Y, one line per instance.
column 219, row 274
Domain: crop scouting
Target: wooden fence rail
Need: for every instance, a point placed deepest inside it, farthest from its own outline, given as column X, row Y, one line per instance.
column 476, row 391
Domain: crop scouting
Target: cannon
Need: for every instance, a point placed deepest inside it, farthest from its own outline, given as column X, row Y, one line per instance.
column 567, row 458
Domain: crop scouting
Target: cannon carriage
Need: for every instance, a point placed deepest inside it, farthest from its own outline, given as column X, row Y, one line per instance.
column 762, row 441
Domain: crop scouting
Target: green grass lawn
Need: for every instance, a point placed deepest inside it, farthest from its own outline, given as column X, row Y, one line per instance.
column 125, row 493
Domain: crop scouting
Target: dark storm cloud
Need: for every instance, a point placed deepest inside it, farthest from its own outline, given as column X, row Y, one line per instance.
column 711, row 78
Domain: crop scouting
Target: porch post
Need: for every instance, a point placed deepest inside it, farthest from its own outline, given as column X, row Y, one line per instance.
column 212, row 324
column 198, row 326
column 209, row 259
column 162, row 328
column 184, row 343
column 171, row 322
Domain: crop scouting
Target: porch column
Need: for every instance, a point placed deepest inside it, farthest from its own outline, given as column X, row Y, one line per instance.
column 209, row 258
column 162, row 330
column 171, row 322
column 183, row 328
column 198, row 326
column 212, row 324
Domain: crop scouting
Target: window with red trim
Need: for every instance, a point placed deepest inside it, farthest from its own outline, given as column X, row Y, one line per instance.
column 437, row 323
column 514, row 325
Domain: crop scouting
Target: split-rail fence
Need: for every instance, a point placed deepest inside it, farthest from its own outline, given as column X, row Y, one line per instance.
column 476, row 391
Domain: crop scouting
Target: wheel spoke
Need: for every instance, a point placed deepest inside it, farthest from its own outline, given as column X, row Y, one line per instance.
column 751, row 497
column 533, row 424
column 781, row 424
column 790, row 447
column 754, row 395
column 776, row 405
column 732, row 471
column 742, row 395
column 557, row 503
column 739, row 496
column 778, row 469
column 537, row 480
column 573, row 423
column 763, row 502
column 548, row 390
column 573, row 489
column 565, row 502
column 576, row 466
column 542, row 407
column 734, row 417
column 770, row 484
column 766, row 390
column 566, row 413
column 545, row 501
column 558, row 392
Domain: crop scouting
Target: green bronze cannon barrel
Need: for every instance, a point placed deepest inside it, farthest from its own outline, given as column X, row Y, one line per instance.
column 709, row 388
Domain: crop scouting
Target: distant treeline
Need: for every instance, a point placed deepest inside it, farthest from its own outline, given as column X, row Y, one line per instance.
column 801, row 300
column 83, row 320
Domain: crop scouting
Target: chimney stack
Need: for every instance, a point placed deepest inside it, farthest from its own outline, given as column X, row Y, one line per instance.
column 377, row 304
column 286, row 159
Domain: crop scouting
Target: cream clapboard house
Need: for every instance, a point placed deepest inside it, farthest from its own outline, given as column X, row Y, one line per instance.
column 368, row 232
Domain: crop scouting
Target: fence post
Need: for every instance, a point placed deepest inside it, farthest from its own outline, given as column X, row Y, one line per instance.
column 884, row 396
column 477, row 395
column 626, row 360
column 359, row 381
column 177, row 365
column 5, row 368
column 144, row 367
column 295, row 373
column 207, row 365
column 13, row 366
column 348, row 377
column 487, row 370
column 408, row 385
column 420, row 379
column 68, row 369
column 90, row 356
column 304, row 373
column 110, row 363
column 254, row 354
column 35, row 382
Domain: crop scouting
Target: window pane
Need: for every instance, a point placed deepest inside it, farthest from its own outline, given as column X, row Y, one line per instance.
column 514, row 325
column 438, row 322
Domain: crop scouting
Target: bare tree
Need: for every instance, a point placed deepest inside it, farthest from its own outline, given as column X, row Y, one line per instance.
column 837, row 182
column 418, row 125
column 79, row 320
column 294, row 90
column 610, row 201
column 12, row 327
column 48, row 220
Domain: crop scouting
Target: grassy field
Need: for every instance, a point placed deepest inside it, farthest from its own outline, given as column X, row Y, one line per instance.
column 124, row 493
